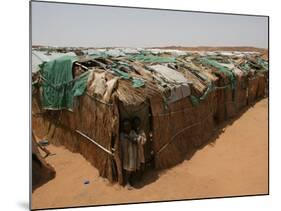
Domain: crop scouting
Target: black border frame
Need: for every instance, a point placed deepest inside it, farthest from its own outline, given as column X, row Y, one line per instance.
column 146, row 8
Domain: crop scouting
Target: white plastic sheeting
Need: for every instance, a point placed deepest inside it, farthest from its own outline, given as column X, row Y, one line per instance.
column 169, row 74
column 115, row 53
column 174, row 53
column 92, row 52
column 130, row 51
column 38, row 57
column 180, row 88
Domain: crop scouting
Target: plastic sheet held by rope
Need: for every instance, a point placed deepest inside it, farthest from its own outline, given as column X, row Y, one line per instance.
column 136, row 82
column 59, row 87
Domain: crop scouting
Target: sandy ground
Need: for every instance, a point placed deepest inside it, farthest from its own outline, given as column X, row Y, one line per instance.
column 235, row 164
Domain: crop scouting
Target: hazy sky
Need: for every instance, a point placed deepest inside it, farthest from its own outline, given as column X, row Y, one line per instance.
column 97, row 26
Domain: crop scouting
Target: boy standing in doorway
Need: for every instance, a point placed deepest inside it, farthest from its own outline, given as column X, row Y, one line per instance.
column 140, row 138
column 129, row 151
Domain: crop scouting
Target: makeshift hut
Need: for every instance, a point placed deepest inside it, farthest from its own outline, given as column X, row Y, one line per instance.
column 80, row 102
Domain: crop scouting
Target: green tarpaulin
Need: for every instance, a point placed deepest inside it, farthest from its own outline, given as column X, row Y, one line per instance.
column 136, row 82
column 263, row 64
column 151, row 58
column 59, row 87
column 260, row 65
column 226, row 71
column 196, row 100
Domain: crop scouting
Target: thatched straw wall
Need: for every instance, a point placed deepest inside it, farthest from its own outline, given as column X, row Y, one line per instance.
column 39, row 124
column 241, row 92
column 261, row 86
column 98, row 121
column 180, row 128
column 177, row 129
column 253, row 83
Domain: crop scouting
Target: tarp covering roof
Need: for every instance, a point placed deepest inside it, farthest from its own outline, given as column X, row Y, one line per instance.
column 59, row 86
column 174, row 74
column 38, row 57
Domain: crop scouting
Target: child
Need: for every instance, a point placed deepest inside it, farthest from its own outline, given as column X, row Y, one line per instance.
column 140, row 138
column 129, row 151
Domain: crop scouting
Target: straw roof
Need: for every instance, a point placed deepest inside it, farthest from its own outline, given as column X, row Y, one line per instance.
column 138, row 81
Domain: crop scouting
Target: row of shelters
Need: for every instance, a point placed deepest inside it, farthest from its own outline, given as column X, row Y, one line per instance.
column 181, row 97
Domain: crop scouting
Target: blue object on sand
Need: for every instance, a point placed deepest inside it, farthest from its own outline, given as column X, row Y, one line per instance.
column 44, row 142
